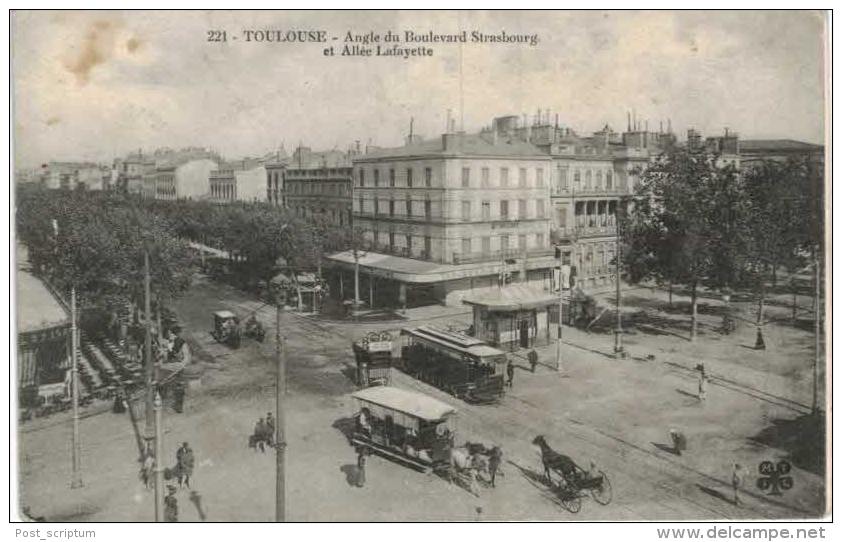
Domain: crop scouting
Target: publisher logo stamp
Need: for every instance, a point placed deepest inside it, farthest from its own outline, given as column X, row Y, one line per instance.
column 774, row 477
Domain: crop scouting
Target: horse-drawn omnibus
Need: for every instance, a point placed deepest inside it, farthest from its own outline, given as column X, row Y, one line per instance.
column 464, row 366
column 406, row 426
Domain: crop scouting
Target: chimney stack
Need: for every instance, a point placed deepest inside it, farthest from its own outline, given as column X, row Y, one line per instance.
column 628, row 121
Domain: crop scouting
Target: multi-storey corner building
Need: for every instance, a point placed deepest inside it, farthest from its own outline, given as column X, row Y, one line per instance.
column 242, row 180
column 445, row 217
column 319, row 184
column 590, row 177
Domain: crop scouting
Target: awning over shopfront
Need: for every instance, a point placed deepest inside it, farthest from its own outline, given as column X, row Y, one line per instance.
column 514, row 297
column 423, row 272
column 37, row 308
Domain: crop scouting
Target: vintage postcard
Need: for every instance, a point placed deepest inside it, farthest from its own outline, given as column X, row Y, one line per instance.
column 420, row 266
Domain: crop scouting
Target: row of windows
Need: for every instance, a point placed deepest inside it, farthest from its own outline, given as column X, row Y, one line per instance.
column 506, row 209
column 468, row 245
column 466, row 181
column 505, row 242
column 331, row 189
column 593, row 179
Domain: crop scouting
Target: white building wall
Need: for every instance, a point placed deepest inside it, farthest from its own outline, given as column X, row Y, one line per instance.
column 192, row 178
column 251, row 184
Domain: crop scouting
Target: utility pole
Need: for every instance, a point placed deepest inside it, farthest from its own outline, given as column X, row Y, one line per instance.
column 618, row 332
column 356, row 280
column 558, row 365
column 280, row 437
column 76, row 480
column 818, row 313
column 159, row 459
column 147, row 321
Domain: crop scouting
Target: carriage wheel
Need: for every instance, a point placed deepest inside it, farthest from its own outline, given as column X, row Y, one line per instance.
column 603, row 493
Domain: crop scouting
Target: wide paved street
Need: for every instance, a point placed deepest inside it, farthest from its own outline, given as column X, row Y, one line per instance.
column 616, row 413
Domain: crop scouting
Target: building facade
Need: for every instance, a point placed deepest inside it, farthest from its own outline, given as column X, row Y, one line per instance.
column 73, row 175
column 128, row 172
column 238, row 181
column 319, row 184
column 445, row 217
column 275, row 165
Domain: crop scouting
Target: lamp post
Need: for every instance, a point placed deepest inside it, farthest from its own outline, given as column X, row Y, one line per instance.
column 280, row 436
column 558, row 361
column 159, row 459
column 618, row 332
column 76, row 479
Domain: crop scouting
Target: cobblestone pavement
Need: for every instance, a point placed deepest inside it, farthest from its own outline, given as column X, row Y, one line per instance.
column 616, row 413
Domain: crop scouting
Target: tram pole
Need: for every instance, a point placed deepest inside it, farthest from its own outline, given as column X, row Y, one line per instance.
column 815, row 406
column 76, row 479
column 558, row 363
column 159, row 459
column 147, row 321
column 280, row 437
column 618, row 332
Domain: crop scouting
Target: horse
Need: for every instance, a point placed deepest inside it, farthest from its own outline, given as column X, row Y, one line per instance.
column 466, row 467
column 554, row 461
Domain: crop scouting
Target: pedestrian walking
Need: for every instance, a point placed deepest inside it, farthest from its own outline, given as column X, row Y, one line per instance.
column 270, row 429
column 147, row 470
column 185, row 461
column 703, row 383
column 533, row 359
column 361, row 467
column 260, row 434
column 170, row 505
column 679, row 441
column 494, row 463
column 510, row 373
column 737, row 482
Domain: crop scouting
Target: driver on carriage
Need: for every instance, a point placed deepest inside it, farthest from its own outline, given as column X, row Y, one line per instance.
column 363, row 423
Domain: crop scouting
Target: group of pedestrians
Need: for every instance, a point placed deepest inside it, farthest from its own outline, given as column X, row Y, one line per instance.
column 183, row 472
column 264, row 433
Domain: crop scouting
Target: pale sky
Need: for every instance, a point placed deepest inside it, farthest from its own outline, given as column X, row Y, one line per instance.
column 95, row 85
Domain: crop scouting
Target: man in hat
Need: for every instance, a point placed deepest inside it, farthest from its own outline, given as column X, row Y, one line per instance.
column 703, row 383
column 532, row 356
column 361, row 458
column 737, row 482
column 185, row 462
column 510, row 373
column 170, row 505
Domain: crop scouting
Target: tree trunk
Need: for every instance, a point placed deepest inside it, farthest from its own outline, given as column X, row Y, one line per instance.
column 670, row 292
column 693, row 312
column 794, row 301
column 774, row 276
column 761, row 300
column 298, row 291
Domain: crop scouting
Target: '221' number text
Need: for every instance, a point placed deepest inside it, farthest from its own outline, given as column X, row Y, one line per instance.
column 217, row 35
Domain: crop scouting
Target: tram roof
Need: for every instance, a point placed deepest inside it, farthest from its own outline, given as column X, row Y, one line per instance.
column 454, row 340
column 407, row 402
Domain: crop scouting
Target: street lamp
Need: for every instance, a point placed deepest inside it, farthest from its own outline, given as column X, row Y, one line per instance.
column 280, row 419
column 159, row 458
column 618, row 332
